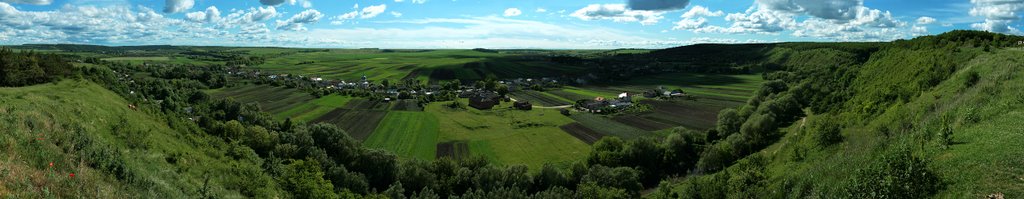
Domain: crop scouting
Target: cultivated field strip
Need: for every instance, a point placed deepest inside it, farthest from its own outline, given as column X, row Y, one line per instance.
column 607, row 126
column 271, row 99
column 406, row 105
column 453, row 149
column 407, row 134
column 358, row 123
column 698, row 114
column 642, row 123
column 582, row 132
column 539, row 98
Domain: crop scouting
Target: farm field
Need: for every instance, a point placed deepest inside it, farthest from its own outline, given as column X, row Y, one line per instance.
column 276, row 100
column 423, row 65
column 452, row 149
column 313, row 109
column 608, row 127
column 360, row 124
column 582, row 132
column 407, row 134
column 712, row 86
column 694, row 114
column 162, row 60
column 539, row 98
column 137, row 59
column 510, row 136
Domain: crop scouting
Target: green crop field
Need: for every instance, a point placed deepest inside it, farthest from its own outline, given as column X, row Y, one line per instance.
column 401, row 64
column 313, row 109
column 714, row 86
column 407, row 134
column 138, row 59
column 280, row 101
column 511, row 136
column 540, row 98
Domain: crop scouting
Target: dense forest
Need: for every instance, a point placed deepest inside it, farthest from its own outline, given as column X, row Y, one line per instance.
column 28, row 68
column 837, row 85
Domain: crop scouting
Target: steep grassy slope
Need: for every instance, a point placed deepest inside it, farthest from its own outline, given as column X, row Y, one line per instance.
column 932, row 117
column 112, row 150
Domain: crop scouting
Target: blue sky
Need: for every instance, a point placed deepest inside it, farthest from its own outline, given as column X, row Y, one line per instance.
column 559, row 24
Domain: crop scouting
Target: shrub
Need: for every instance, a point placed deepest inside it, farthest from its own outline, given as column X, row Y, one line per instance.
column 826, row 131
column 971, row 79
column 897, row 175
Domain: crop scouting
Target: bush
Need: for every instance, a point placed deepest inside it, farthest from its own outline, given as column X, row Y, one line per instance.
column 971, row 79
column 897, row 175
column 826, row 131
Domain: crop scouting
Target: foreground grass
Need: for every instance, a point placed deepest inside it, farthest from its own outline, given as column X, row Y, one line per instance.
column 407, row 134
column 113, row 151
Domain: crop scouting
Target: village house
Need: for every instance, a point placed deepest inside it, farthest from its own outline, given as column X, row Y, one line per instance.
column 602, row 105
column 484, row 100
column 523, row 105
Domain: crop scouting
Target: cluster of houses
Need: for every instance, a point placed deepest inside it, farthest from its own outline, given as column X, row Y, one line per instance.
column 603, row 105
column 527, row 83
column 478, row 98
column 661, row 92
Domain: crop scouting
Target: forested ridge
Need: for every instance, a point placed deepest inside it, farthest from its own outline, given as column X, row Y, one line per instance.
column 878, row 105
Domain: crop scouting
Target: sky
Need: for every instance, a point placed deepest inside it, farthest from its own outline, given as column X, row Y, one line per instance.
column 546, row 24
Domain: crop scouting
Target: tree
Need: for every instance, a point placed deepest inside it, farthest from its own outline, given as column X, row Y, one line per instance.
column 233, row 130
column 502, row 89
column 729, row 122
column 549, row 177
column 759, row 128
column 624, row 178
column 305, row 180
column 380, row 168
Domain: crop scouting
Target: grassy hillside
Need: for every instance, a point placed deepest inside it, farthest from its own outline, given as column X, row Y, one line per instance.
column 113, row 151
column 929, row 117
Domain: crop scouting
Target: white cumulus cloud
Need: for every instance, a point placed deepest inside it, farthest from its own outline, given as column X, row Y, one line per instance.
column 697, row 11
column 31, row 2
column 175, row 6
column 372, row 11
column 660, row 5
column 925, row 20
column 212, row 14
column 617, row 13
column 511, row 12
column 296, row 22
column 999, row 15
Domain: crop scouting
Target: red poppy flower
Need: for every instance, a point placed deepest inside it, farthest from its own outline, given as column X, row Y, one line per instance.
column 51, row 164
column 71, row 175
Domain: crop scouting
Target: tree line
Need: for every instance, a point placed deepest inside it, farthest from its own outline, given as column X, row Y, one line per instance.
column 29, row 68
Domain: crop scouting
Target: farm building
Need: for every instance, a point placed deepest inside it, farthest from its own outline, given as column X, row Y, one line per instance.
column 660, row 92
column 522, row 105
column 484, row 100
column 601, row 105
